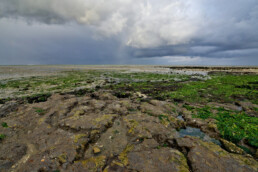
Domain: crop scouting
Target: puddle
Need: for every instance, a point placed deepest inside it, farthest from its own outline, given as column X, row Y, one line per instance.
column 180, row 117
column 196, row 132
column 239, row 108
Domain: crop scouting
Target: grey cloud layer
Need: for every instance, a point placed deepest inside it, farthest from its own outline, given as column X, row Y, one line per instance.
column 151, row 28
column 146, row 23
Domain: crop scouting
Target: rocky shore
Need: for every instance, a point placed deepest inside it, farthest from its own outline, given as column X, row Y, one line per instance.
column 129, row 125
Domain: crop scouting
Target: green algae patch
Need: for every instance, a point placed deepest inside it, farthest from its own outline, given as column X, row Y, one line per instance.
column 123, row 156
column 231, row 147
column 241, row 159
column 94, row 132
column 233, row 126
column 214, row 148
column 180, row 160
column 238, row 126
column 94, row 163
column 104, row 117
column 246, row 161
column 220, row 88
column 158, row 90
column 2, row 136
column 167, row 120
column 4, row 124
column 133, row 125
column 41, row 120
column 40, row 111
column 62, row 158
column 164, row 119
column 78, row 137
column 203, row 113
column 77, row 114
column 37, row 88
column 35, row 98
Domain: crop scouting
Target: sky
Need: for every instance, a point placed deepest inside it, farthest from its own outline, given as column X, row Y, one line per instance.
column 151, row 32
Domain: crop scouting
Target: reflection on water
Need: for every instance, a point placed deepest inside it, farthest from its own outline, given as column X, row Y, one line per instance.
column 196, row 132
column 180, row 117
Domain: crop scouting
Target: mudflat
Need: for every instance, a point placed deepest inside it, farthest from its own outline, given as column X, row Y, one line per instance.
column 128, row 118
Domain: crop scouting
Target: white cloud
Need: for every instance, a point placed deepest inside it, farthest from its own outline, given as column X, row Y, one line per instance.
column 147, row 23
column 166, row 23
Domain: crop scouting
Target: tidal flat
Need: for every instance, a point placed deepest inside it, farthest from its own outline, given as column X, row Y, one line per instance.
column 128, row 118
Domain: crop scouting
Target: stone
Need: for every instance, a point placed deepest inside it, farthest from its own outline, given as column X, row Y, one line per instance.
column 205, row 156
column 103, row 133
column 162, row 160
column 112, row 142
column 231, row 147
column 11, row 153
column 8, row 107
column 96, row 150
column 138, row 94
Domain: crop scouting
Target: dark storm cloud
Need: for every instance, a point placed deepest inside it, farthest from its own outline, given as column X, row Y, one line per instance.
column 122, row 31
column 54, row 44
column 227, row 29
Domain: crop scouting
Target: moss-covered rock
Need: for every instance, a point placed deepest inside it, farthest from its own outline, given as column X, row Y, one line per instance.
column 163, row 159
column 93, row 164
column 206, row 156
column 231, row 147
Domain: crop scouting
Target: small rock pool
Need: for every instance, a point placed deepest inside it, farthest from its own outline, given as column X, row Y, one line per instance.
column 196, row 132
column 180, row 117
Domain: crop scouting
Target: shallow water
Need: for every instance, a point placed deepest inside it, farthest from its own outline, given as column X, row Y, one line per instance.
column 196, row 132
column 239, row 108
column 180, row 117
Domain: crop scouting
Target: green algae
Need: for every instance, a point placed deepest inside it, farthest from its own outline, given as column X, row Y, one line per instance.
column 77, row 137
column 2, row 136
column 123, row 156
column 233, row 126
column 4, row 124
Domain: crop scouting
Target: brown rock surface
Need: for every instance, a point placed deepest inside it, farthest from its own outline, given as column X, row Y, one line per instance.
column 204, row 156
column 129, row 135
